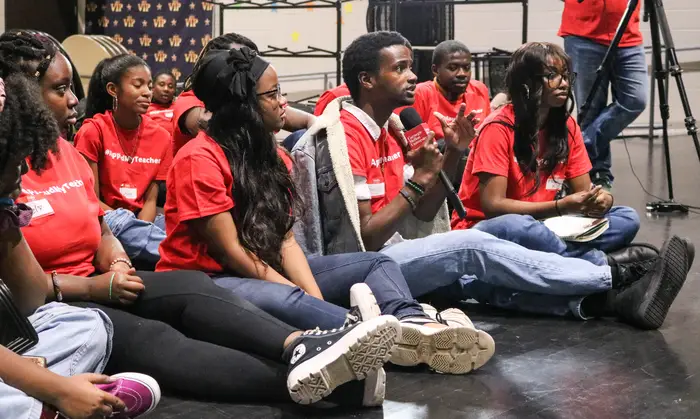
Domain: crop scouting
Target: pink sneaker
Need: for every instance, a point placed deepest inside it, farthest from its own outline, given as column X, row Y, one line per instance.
column 140, row 393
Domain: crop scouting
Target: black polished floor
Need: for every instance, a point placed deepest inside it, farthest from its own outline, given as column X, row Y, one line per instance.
column 558, row 368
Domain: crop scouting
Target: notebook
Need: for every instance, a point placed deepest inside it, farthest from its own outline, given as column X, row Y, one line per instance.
column 16, row 332
column 576, row 228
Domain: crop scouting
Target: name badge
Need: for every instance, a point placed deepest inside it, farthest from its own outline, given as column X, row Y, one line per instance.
column 40, row 208
column 554, row 184
column 128, row 191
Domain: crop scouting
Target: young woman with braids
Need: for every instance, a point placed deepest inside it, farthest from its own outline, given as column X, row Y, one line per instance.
column 125, row 149
column 523, row 155
column 195, row 338
column 230, row 210
column 190, row 115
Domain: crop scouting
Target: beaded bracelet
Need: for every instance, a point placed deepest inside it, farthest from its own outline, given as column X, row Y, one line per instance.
column 417, row 188
column 410, row 200
column 122, row 260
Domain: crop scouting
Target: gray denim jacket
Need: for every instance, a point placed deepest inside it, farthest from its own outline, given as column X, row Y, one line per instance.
column 328, row 222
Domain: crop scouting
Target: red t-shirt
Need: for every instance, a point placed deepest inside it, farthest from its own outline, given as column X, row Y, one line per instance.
column 492, row 152
column 329, row 96
column 186, row 101
column 163, row 115
column 375, row 155
column 597, row 20
column 429, row 99
column 65, row 232
column 123, row 184
column 203, row 187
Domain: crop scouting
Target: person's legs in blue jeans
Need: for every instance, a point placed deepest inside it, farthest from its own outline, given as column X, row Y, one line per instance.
column 290, row 304
column 439, row 260
column 336, row 274
column 629, row 83
column 72, row 340
column 534, row 235
column 140, row 239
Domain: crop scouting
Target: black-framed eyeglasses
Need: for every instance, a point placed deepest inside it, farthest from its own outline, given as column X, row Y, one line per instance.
column 275, row 93
column 555, row 79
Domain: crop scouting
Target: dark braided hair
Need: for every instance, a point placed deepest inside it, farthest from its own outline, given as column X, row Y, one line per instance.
column 27, row 53
column 220, row 43
column 263, row 190
column 27, row 127
column 109, row 70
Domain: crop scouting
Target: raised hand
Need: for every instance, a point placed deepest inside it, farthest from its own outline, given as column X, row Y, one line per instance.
column 460, row 132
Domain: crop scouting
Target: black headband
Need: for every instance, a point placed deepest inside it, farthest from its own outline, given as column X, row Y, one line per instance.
column 235, row 71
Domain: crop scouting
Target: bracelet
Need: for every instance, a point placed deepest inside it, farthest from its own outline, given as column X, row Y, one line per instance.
column 122, row 260
column 56, row 289
column 556, row 206
column 110, row 285
column 410, row 200
column 417, row 188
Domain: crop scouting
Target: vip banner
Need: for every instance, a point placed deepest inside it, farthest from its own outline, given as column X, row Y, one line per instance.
column 167, row 34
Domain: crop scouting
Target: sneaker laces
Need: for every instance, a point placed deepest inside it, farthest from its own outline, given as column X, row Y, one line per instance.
column 635, row 271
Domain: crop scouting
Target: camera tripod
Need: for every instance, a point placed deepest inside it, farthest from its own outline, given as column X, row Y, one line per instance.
column 656, row 15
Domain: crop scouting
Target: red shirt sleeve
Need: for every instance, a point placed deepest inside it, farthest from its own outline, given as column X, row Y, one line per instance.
column 358, row 160
column 578, row 163
column 200, row 190
column 492, row 150
column 486, row 102
column 326, row 98
column 422, row 103
column 88, row 141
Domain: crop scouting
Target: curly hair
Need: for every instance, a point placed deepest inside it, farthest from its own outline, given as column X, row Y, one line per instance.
column 525, row 84
column 220, row 43
column 27, row 127
column 109, row 70
column 27, row 53
column 263, row 190
column 362, row 55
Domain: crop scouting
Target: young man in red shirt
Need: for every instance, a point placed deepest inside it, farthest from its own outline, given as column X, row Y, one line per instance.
column 390, row 185
column 451, row 87
column 588, row 29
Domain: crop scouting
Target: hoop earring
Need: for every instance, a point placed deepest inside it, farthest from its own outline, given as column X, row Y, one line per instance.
column 527, row 91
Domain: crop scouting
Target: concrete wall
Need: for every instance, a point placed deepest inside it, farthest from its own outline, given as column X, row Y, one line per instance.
column 480, row 26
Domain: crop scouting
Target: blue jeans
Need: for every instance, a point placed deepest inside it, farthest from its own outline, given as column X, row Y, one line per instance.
column 140, row 239
column 73, row 341
column 463, row 264
column 334, row 274
column 532, row 234
column 626, row 75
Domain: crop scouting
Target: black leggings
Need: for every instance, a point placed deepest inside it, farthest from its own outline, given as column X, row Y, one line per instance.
column 199, row 340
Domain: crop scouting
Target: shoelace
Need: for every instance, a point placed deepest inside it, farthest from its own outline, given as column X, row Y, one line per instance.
column 353, row 317
column 637, row 270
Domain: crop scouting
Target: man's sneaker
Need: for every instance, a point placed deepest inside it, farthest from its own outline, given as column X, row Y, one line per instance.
column 321, row 360
column 645, row 303
column 140, row 393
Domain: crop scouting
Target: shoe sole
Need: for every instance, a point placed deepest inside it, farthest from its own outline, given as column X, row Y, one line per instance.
column 668, row 283
column 148, row 382
column 453, row 350
column 362, row 351
column 375, row 389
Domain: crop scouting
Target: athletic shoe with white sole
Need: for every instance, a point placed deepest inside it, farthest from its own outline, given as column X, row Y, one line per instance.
column 139, row 392
column 321, row 360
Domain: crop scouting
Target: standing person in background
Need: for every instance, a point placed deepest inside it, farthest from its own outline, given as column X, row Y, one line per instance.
column 161, row 111
column 588, row 29
column 124, row 149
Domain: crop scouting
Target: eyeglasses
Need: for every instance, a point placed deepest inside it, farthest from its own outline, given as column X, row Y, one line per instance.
column 555, row 79
column 275, row 93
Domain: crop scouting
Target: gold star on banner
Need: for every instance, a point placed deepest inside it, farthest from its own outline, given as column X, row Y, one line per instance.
column 130, row 41
column 192, row 6
column 193, row 42
column 348, row 7
column 159, row 41
column 144, row 23
column 159, row 6
column 128, row 7
column 295, row 36
column 115, row 22
column 104, row 7
column 144, row 56
column 207, row 22
column 173, row 22
column 173, row 57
